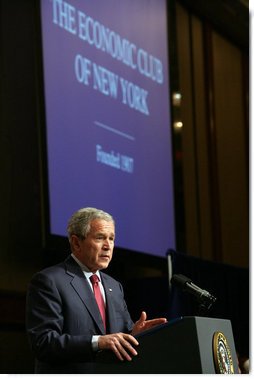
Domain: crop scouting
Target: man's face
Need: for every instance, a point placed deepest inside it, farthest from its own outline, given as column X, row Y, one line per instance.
column 96, row 250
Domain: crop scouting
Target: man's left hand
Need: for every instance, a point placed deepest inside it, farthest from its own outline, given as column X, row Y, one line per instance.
column 143, row 324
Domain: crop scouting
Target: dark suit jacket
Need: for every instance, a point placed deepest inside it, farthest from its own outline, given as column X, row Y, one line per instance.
column 62, row 317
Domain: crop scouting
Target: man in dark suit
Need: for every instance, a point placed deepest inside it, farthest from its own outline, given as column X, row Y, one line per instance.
column 74, row 310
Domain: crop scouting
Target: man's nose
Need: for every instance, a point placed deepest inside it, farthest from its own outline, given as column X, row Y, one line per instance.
column 106, row 244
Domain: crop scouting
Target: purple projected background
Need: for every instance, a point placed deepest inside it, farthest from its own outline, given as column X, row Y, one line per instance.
column 107, row 117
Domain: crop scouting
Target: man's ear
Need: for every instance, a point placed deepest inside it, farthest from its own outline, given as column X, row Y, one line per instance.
column 75, row 243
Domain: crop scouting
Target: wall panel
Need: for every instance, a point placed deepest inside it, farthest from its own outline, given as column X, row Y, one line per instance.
column 231, row 150
column 214, row 143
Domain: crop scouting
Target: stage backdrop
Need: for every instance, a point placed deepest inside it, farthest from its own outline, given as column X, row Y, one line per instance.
column 107, row 111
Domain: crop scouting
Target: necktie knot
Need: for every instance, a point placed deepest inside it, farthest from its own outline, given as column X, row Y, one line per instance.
column 94, row 279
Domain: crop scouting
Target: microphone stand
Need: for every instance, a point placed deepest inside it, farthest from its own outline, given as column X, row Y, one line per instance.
column 205, row 306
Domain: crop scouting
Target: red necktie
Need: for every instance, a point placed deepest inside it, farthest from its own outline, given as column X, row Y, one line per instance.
column 98, row 297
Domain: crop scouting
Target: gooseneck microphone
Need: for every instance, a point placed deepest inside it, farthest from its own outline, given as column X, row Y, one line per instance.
column 186, row 284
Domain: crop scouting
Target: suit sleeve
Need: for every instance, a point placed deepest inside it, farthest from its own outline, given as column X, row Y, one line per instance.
column 45, row 325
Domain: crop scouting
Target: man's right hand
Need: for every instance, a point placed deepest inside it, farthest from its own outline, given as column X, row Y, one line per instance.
column 120, row 343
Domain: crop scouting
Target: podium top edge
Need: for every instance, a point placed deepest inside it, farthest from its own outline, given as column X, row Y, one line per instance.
column 176, row 321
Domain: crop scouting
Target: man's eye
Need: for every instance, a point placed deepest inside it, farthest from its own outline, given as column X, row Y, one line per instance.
column 100, row 238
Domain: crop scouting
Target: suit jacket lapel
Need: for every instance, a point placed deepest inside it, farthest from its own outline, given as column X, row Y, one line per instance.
column 84, row 291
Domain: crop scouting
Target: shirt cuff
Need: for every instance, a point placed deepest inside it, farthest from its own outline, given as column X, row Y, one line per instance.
column 95, row 345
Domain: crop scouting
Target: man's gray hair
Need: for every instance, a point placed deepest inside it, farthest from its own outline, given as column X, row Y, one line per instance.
column 79, row 223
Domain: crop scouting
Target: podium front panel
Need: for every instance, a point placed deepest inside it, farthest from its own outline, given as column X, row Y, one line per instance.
column 182, row 346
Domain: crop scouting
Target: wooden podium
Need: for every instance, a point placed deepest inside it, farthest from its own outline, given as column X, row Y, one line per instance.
column 188, row 345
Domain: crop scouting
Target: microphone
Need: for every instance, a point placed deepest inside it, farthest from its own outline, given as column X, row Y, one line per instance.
column 186, row 284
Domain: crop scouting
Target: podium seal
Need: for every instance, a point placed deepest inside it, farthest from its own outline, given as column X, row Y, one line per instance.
column 222, row 355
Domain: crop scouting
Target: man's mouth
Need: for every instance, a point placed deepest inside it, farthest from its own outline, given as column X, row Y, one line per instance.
column 105, row 256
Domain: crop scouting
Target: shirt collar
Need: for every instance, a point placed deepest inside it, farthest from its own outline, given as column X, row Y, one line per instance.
column 85, row 269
